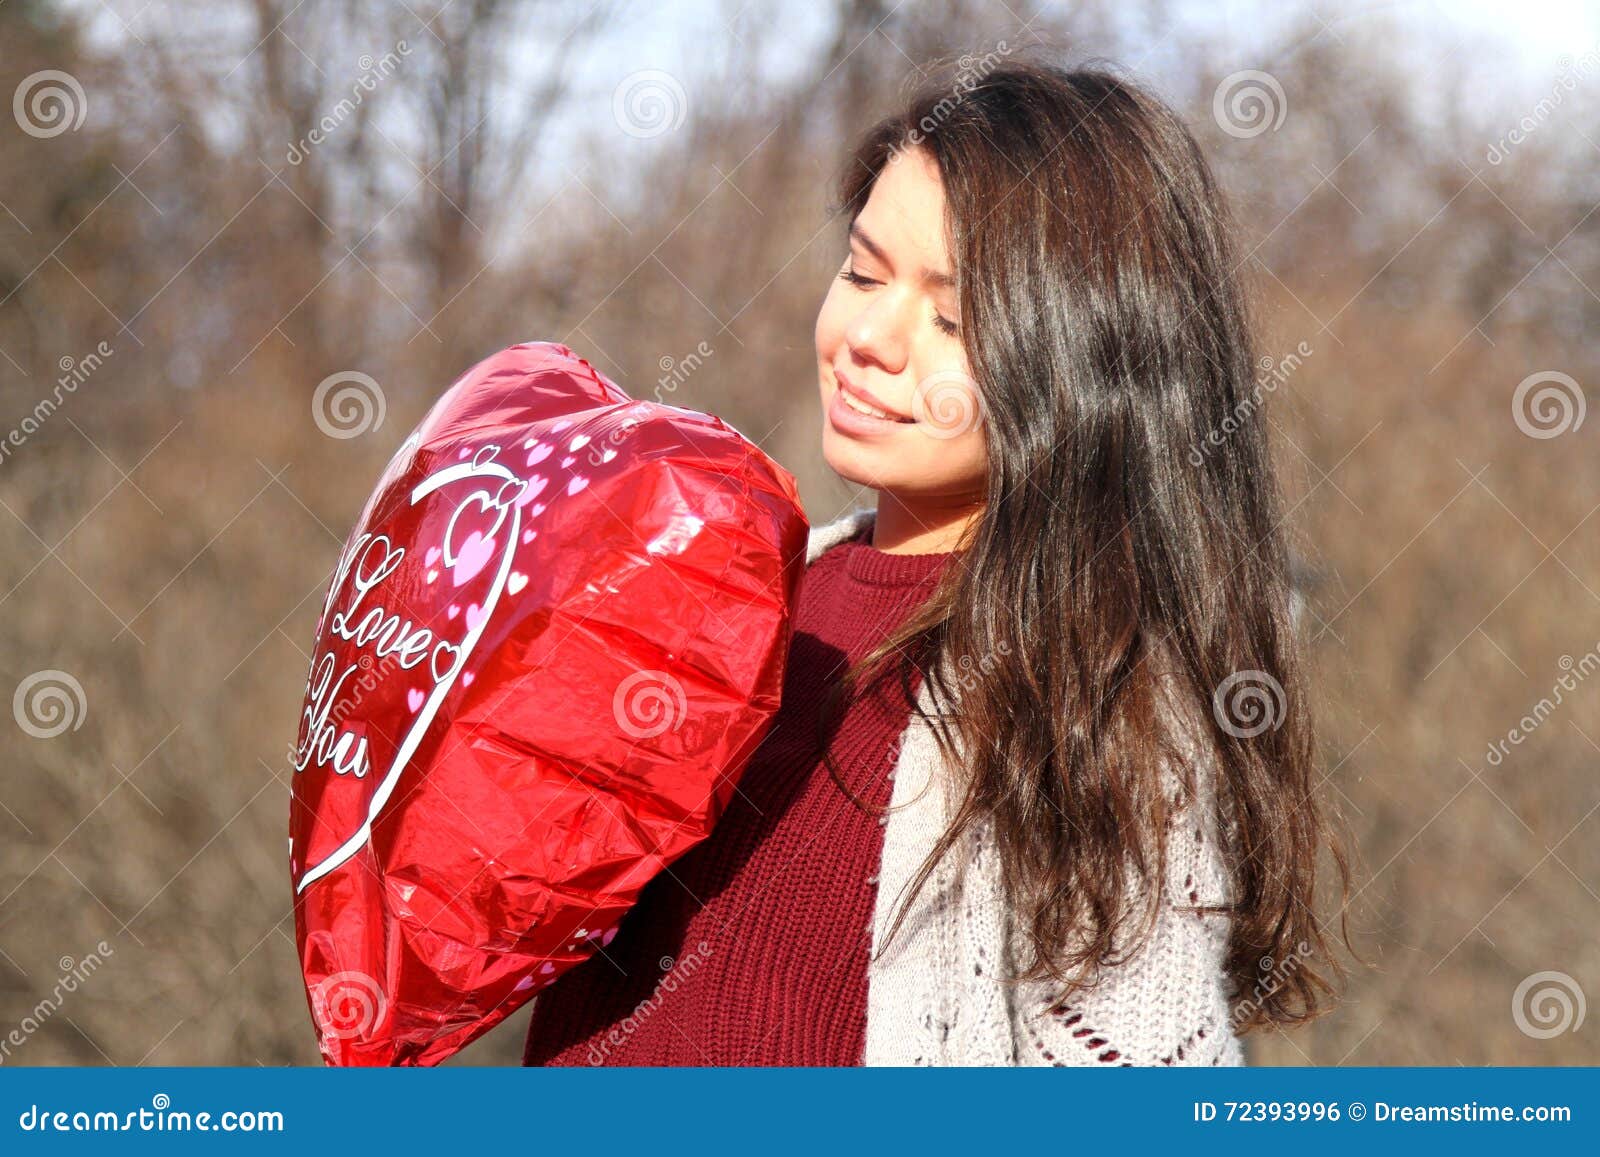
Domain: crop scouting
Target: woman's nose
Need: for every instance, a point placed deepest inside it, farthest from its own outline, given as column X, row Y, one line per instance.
column 879, row 332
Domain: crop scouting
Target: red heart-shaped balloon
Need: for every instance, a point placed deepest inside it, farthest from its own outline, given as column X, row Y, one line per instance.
column 549, row 647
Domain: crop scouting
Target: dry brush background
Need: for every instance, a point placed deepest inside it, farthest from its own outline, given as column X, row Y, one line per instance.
column 181, row 265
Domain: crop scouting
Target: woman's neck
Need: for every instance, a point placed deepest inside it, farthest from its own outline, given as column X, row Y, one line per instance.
column 931, row 527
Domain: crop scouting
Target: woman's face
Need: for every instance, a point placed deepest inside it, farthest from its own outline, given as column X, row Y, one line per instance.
column 888, row 339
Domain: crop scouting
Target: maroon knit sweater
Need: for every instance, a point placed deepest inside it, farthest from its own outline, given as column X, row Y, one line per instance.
column 752, row 948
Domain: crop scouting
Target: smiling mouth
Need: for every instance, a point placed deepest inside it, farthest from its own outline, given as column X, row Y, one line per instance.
column 850, row 399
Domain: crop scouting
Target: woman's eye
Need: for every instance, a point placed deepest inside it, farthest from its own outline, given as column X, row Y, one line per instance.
column 943, row 324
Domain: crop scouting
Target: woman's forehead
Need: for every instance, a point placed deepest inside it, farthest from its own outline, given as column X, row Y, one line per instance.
column 904, row 214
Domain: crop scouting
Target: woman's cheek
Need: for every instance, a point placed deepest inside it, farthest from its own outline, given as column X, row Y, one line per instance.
column 970, row 461
column 936, row 460
column 960, row 422
column 830, row 327
column 947, row 405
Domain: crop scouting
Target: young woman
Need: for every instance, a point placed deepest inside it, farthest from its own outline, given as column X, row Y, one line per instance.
column 1041, row 787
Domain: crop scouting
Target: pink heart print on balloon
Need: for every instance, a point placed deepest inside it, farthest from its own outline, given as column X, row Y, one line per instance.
column 547, row 651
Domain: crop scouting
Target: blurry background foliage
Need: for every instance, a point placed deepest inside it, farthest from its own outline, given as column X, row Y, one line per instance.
column 208, row 222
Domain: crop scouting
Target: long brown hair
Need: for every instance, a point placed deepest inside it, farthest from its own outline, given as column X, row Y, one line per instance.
column 1128, row 556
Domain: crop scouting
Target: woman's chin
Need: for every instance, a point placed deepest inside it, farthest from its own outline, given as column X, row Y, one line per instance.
column 853, row 463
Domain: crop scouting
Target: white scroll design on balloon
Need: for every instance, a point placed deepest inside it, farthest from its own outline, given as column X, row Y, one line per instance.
column 481, row 466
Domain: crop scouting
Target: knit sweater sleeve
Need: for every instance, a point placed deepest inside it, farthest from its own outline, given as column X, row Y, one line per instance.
column 1169, row 1003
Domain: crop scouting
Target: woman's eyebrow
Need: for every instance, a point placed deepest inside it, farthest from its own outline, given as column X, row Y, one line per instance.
column 929, row 276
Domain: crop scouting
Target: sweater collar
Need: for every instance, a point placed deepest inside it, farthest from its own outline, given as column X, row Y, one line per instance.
column 832, row 533
column 865, row 563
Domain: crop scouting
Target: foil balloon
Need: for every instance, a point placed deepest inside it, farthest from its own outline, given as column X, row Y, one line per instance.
column 548, row 649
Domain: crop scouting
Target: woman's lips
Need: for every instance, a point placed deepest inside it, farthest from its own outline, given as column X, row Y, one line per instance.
column 862, row 394
column 848, row 420
column 853, row 422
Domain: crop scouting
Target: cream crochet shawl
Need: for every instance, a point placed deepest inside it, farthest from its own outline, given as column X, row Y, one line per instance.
column 937, row 997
